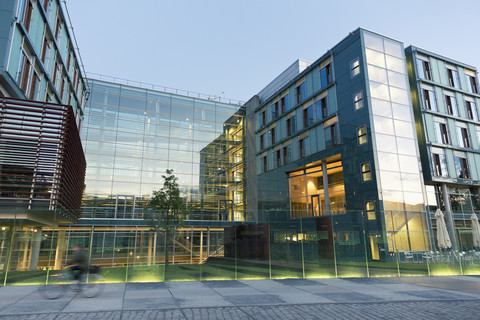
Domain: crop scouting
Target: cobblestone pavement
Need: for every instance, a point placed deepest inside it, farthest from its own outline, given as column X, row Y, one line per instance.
column 469, row 309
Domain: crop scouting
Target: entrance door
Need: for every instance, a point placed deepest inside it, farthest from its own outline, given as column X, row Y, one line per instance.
column 315, row 201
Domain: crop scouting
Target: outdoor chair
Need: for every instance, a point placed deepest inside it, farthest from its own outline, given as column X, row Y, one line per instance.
column 408, row 256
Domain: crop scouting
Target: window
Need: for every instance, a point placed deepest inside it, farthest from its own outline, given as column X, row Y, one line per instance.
column 45, row 51
column 355, row 67
column 308, row 118
column 451, row 103
column 264, row 164
column 326, row 76
column 441, row 132
column 45, row 4
column 463, row 139
column 278, row 156
column 287, row 154
column 440, row 165
column 370, row 209
column 275, row 110
column 32, row 95
column 262, row 141
column 362, row 135
column 290, row 126
column 301, row 93
column 358, row 100
column 366, row 172
column 453, row 80
column 321, row 108
column 263, row 119
column 69, row 58
column 472, row 83
column 330, row 135
column 23, row 71
column 273, row 136
column 27, row 16
column 58, row 29
column 471, row 109
column 424, row 71
column 462, row 168
column 477, row 130
column 429, row 100
column 284, row 104
column 302, row 147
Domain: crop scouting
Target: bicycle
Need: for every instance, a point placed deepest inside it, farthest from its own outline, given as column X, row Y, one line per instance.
column 89, row 286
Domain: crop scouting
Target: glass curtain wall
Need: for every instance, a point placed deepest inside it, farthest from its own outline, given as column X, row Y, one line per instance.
column 396, row 147
column 132, row 135
column 307, row 247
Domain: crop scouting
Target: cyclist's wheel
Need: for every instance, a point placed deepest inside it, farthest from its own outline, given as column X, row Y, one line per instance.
column 93, row 286
column 54, row 288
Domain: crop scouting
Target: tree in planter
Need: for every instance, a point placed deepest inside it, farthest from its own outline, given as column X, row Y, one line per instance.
column 165, row 209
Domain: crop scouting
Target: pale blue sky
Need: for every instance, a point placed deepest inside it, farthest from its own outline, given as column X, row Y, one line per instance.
column 238, row 47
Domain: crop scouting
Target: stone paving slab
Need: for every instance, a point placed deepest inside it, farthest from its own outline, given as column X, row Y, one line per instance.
column 353, row 298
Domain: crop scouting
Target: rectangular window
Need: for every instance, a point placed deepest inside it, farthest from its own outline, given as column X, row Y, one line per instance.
column 462, row 168
column 326, row 76
column 366, row 172
column 355, row 67
column 451, row 103
column 69, row 57
column 264, row 164
column 362, row 135
column 323, row 103
column 301, row 148
column 275, row 111
column 429, row 100
column 472, row 84
column 301, row 93
column 471, row 109
column 358, row 100
column 27, row 17
column 25, row 74
column 58, row 29
column 273, row 136
column 330, row 135
column 290, row 126
column 45, row 4
column 286, row 157
column 453, row 80
column 440, row 165
column 308, row 118
column 263, row 119
column 284, row 104
column 463, row 139
column 262, row 141
column 34, row 86
column 370, row 209
column 441, row 132
column 278, row 156
column 424, row 69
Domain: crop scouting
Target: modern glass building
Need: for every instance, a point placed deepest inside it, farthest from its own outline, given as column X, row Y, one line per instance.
column 445, row 99
column 339, row 139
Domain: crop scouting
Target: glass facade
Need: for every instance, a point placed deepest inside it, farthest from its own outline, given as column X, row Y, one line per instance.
column 132, row 135
column 398, row 169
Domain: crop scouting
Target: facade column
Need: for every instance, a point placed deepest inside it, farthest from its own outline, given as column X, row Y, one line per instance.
column 36, row 241
column 60, row 251
column 201, row 246
column 326, row 196
column 449, row 217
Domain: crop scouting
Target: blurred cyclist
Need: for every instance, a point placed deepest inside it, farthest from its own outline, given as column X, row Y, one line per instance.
column 78, row 263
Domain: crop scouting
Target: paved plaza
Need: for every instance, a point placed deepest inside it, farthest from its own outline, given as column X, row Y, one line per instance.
column 348, row 298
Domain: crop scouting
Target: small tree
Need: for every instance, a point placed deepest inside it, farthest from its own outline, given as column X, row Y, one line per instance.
column 166, row 209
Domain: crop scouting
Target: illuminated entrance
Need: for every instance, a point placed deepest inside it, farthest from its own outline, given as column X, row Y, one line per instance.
column 317, row 189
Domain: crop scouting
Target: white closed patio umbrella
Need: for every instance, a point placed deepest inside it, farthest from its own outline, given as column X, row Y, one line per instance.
column 442, row 234
column 475, row 230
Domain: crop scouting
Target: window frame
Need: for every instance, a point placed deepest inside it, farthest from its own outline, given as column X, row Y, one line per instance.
column 367, row 173
column 355, row 67
column 362, row 135
column 358, row 100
